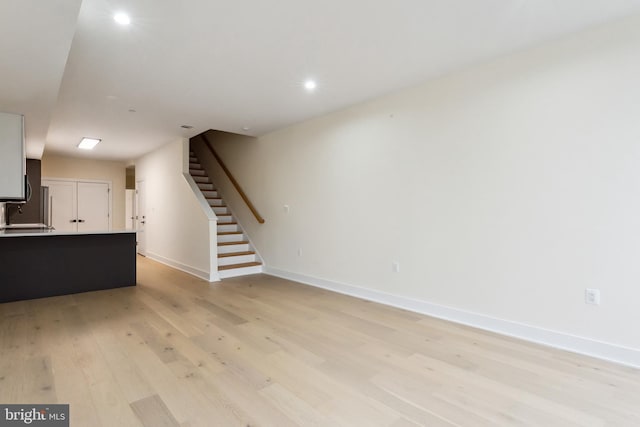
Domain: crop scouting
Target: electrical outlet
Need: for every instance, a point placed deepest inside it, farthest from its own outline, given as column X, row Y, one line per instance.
column 592, row 296
column 286, row 209
column 395, row 267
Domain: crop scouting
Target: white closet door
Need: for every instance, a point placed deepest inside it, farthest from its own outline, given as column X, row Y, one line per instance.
column 62, row 202
column 93, row 206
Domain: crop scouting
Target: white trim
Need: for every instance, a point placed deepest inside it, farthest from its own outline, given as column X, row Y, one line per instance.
column 205, row 275
column 213, row 224
column 202, row 201
column 587, row 346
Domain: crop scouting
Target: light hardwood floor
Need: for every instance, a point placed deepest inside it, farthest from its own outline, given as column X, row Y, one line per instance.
column 258, row 351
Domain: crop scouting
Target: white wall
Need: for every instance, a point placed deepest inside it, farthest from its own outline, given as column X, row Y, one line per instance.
column 177, row 229
column 503, row 191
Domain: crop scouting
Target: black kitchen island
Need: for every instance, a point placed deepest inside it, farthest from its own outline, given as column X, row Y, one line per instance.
column 38, row 265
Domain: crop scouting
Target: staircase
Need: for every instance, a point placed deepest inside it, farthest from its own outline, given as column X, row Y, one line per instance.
column 235, row 255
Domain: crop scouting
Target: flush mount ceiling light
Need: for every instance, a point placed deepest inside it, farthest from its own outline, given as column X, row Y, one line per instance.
column 122, row 18
column 310, row 85
column 88, row 143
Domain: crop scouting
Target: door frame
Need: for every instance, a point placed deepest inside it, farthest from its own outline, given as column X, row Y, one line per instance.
column 141, row 236
column 130, row 209
column 96, row 181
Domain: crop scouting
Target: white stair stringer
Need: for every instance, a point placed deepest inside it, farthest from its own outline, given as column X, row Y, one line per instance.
column 236, row 257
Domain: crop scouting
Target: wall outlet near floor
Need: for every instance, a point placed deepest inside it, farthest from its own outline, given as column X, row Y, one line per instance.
column 395, row 267
column 592, row 296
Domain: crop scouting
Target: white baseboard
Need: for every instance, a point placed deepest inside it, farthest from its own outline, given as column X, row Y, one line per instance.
column 182, row 267
column 601, row 350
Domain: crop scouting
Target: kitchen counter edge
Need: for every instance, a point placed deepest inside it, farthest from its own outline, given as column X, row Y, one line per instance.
column 61, row 233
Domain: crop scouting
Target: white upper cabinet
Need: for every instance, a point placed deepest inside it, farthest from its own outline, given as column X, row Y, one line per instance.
column 12, row 157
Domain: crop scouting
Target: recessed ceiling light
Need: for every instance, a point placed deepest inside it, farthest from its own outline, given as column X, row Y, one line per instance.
column 245, row 128
column 122, row 18
column 186, row 126
column 310, row 85
column 88, row 143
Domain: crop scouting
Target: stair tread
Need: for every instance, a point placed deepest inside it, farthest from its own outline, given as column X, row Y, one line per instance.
column 236, row 254
column 227, row 233
column 244, row 264
column 228, row 223
column 241, row 242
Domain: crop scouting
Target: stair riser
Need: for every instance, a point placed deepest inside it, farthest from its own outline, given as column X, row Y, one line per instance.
column 225, row 217
column 209, row 193
column 217, row 202
column 220, row 210
column 227, row 249
column 232, row 227
column 197, row 172
column 193, row 160
column 224, row 274
column 236, row 259
column 205, row 187
column 202, row 179
column 231, row 238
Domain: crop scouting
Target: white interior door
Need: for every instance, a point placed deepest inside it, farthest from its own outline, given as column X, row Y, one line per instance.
column 141, row 217
column 93, row 206
column 62, row 204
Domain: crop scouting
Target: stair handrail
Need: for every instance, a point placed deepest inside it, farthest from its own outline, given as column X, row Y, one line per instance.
column 252, row 208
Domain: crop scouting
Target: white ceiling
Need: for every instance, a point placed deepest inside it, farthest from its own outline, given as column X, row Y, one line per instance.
column 232, row 64
column 35, row 38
